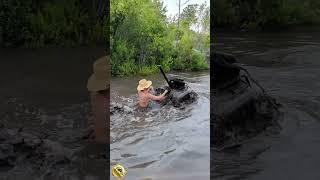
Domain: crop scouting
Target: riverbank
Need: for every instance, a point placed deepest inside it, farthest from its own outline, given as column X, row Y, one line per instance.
column 155, row 70
column 265, row 15
column 127, row 69
column 289, row 29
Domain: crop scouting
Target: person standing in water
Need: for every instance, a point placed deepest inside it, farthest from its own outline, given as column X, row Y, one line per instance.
column 99, row 87
column 145, row 93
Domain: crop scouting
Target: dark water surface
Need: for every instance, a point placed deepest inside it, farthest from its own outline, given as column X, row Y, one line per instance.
column 43, row 93
column 164, row 143
column 287, row 65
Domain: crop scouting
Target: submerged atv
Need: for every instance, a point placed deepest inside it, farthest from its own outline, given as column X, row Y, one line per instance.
column 179, row 93
column 240, row 107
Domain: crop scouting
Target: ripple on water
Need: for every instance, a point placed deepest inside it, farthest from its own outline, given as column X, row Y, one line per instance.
column 163, row 139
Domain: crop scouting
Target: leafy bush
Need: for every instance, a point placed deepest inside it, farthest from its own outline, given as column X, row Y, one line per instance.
column 127, row 68
column 33, row 23
column 142, row 37
column 146, row 70
column 265, row 14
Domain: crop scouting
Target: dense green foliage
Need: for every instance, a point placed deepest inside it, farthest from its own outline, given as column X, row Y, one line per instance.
column 265, row 14
column 142, row 37
column 35, row 23
column 139, row 33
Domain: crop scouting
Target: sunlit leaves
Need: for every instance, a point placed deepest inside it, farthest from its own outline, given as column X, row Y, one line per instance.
column 142, row 37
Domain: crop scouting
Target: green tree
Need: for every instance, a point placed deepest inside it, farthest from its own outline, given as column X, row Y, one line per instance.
column 142, row 37
column 265, row 14
column 189, row 15
column 34, row 23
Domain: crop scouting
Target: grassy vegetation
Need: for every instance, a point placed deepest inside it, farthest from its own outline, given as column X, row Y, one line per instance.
column 142, row 36
column 138, row 32
column 265, row 14
column 34, row 23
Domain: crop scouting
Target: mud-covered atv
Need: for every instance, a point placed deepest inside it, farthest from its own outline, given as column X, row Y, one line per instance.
column 179, row 93
column 240, row 107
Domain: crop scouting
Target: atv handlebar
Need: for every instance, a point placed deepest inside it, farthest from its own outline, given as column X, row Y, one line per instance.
column 164, row 75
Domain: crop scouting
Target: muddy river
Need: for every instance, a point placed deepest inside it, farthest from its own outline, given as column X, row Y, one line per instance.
column 45, row 118
column 287, row 65
column 164, row 142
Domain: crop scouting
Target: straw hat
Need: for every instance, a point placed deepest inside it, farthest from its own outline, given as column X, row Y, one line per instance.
column 100, row 79
column 143, row 83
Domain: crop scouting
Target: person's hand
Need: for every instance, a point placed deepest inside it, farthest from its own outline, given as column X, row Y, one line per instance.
column 165, row 93
column 163, row 97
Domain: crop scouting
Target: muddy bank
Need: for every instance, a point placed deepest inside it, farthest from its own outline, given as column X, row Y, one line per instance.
column 287, row 66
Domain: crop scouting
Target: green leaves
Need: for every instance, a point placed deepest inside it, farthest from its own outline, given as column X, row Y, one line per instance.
column 265, row 14
column 31, row 23
column 139, row 26
column 142, row 37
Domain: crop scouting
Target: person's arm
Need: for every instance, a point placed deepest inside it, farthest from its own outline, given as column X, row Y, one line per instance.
column 156, row 98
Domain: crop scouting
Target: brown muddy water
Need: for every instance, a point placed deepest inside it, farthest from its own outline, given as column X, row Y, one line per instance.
column 45, row 117
column 164, row 143
column 287, row 65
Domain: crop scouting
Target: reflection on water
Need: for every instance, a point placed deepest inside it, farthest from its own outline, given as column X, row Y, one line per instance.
column 162, row 142
column 288, row 66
